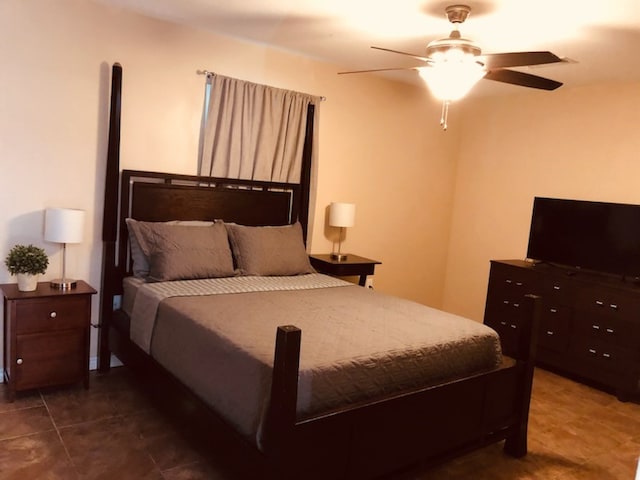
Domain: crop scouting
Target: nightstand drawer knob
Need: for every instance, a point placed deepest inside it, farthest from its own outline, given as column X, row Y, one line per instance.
column 53, row 314
column 19, row 361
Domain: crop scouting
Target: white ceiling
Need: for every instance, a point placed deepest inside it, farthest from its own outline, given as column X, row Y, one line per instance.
column 602, row 36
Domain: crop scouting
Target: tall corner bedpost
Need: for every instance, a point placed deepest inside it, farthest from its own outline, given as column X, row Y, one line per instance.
column 110, row 220
column 516, row 443
column 281, row 416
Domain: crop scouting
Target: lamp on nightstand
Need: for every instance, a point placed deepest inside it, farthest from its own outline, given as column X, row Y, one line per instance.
column 341, row 215
column 63, row 225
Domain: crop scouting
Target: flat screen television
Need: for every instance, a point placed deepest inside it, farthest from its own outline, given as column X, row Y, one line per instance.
column 599, row 236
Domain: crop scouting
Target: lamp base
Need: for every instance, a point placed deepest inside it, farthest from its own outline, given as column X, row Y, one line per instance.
column 64, row 283
column 339, row 257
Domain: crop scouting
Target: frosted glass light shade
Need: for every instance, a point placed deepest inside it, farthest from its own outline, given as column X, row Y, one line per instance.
column 63, row 225
column 452, row 74
column 342, row 214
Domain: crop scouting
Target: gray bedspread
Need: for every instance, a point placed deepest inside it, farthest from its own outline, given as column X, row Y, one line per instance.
column 356, row 344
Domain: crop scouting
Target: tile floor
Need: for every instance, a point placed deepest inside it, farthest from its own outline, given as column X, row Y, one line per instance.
column 113, row 431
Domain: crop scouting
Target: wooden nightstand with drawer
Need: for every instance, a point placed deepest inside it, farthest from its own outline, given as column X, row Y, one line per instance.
column 46, row 336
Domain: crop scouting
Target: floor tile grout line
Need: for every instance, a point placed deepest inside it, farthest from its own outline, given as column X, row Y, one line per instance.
column 25, row 435
column 64, row 445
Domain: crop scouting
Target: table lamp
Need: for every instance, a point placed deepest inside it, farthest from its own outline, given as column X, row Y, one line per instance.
column 341, row 215
column 63, row 225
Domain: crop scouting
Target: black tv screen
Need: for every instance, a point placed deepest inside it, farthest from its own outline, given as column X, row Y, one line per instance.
column 598, row 236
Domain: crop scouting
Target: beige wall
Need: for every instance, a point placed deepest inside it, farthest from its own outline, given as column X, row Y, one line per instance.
column 579, row 143
column 380, row 145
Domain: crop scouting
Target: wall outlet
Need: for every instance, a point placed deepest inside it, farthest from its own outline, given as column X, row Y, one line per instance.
column 368, row 283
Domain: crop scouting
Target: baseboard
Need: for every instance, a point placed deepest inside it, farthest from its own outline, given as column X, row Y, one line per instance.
column 114, row 362
column 93, row 365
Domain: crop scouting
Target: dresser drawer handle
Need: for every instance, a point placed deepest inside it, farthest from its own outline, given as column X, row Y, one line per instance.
column 503, row 323
column 516, row 305
column 556, row 287
column 614, row 306
column 610, row 330
column 508, row 281
column 519, row 284
column 553, row 310
column 513, row 325
column 506, row 302
column 53, row 315
column 600, row 303
column 549, row 332
column 595, row 327
column 592, row 351
column 19, row 361
column 606, row 355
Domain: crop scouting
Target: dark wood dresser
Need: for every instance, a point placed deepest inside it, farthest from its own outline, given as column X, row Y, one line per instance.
column 590, row 325
column 46, row 336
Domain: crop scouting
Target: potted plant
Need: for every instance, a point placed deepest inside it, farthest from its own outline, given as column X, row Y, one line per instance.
column 27, row 262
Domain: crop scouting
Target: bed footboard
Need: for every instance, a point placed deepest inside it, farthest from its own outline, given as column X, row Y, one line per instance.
column 427, row 425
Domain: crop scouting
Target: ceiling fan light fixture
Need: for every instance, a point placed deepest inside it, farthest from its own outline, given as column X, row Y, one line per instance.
column 452, row 74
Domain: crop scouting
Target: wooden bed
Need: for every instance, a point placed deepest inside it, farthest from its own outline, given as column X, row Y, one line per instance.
column 366, row 440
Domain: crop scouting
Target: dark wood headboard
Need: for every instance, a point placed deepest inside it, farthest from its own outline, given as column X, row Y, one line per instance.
column 159, row 197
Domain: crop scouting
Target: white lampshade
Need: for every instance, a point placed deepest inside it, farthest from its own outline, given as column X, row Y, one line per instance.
column 342, row 214
column 63, row 225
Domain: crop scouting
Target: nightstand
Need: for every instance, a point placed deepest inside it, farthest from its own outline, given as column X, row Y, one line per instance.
column 46, row 336
column 353, row 265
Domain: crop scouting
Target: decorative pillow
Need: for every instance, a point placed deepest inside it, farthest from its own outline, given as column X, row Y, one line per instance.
column 140, row 260
column 269, row 250
column 182, row 251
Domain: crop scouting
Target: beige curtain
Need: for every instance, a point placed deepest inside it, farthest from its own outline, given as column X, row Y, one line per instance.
column 253, row 131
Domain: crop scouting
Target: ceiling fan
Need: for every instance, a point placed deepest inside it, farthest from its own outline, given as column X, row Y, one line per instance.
column 453, row 65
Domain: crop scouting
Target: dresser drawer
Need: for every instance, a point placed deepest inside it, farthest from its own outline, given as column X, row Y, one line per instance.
column 557, row 291
column 511, row 282
column 51, row 314
column 603, row 355
column 608, row 328
column 609, row 302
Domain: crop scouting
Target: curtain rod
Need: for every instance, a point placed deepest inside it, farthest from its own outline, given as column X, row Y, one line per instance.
column 211, row 74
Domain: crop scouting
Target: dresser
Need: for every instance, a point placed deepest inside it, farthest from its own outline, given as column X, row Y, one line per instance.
column 46, row 336
column 590, row 324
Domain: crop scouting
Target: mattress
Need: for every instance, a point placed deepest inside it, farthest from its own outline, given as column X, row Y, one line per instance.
column 357, row 344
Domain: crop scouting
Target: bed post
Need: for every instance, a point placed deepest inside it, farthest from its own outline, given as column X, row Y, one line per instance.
column 110, row 220
column 516, row 443
column 281, row 417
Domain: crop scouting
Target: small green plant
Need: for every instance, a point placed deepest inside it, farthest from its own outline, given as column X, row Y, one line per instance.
column 26, row 259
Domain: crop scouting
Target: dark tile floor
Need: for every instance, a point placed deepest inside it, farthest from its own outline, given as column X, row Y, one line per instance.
column 113, row 431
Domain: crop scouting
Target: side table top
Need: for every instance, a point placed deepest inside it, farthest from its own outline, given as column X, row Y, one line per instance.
column 44, row 289
column 350, row 260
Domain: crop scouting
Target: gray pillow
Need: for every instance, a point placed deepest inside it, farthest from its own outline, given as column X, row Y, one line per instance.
column 182, row 252
column 139, row 259
column 269, row 250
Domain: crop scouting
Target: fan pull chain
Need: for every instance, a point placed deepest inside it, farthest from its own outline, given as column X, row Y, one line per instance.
column 445, row 114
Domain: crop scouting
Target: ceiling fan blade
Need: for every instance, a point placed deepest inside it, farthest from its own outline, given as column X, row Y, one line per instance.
column 517, row 59
column 522, row 79
column 378, row 70
column 418, row 57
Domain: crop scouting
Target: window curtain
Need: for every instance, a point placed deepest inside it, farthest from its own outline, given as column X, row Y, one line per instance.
column 254, row 131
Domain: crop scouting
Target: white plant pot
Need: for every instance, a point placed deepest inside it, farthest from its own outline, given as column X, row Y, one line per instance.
column 27, row 282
